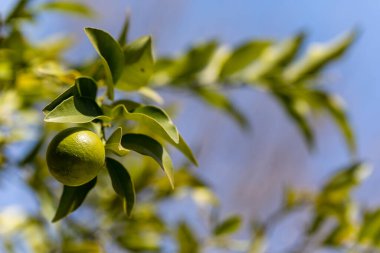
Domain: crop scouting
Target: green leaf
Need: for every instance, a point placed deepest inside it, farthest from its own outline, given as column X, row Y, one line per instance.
column 150, row 116
column 29, row 157
column 18, row 11
column 228, row 226
column 72, row 197
column 185, row 149
column 83, row 87
column 243, row 56
column 274, row 59
column 317, row 57
column 151, row 95
column 195, row 60
column 123, row 37
column 122, row 183
column 161, row 118
column 345, row 180
column 75, row 110
column 370, row 228
column 335, row 108
column 67, row 7
column 152, row 121
column 147, row 146
column 187, row 242
column 220, row 101
column 340, row 235
column 297, row 111
column 139, row 64
column 114, row 143
column 81, row 247
column 111, row 54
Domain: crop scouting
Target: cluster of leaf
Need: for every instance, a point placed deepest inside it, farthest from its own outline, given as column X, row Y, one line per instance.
column 31, row 75
column 276, row 67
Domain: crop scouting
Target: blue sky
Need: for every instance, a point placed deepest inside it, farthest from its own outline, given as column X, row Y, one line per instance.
column 248, row 159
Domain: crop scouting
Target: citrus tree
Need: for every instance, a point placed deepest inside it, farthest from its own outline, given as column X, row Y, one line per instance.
column 100, row 163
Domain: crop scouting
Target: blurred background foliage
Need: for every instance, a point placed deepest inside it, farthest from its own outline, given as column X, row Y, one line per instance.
column 33, row 74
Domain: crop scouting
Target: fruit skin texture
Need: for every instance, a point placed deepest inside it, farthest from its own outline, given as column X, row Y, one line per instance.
column 75, row 156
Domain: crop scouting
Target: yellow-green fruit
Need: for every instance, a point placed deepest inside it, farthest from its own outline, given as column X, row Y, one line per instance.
column 75, row 156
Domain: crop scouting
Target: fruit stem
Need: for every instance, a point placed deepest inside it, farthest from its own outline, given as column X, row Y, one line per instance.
column 103, row 132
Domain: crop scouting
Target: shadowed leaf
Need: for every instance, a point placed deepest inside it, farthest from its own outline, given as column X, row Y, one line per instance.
column 122, row 183
column 72, row 197
column 147, row 146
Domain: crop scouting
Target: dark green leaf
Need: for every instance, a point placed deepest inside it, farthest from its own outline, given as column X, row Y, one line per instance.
column 296, row 110
column 228, row 226
column 139, row 64
column 335, row 108
column 147, row 146
column 72, row 197
column 84, row 87
column 220, row 101
column 122, row 183
column 185, row 149
column 111, row 54
column 33, row 152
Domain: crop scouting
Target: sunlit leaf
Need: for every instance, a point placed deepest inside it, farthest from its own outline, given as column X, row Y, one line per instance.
column 18, row 11
column 186, row 68
column 139, row 64
column 340, row 235
column 274, row 58
column 147, row 146
column 153, row 122
column 122, row 183
column 153, row 117
column 228, row 226
column 335, row 108
column 242, row 56
column 75, row 110
column 123, row 37
column 111, row 54
column 72, row 197
column 82, row 247
column 317, row 57
column 370, row 228
column 344, row 180
column 187, row 242
column 67, row 7
column 114, row 143
column 151, row 95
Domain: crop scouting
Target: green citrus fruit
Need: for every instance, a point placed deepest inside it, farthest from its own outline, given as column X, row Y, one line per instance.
column 75, row 156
